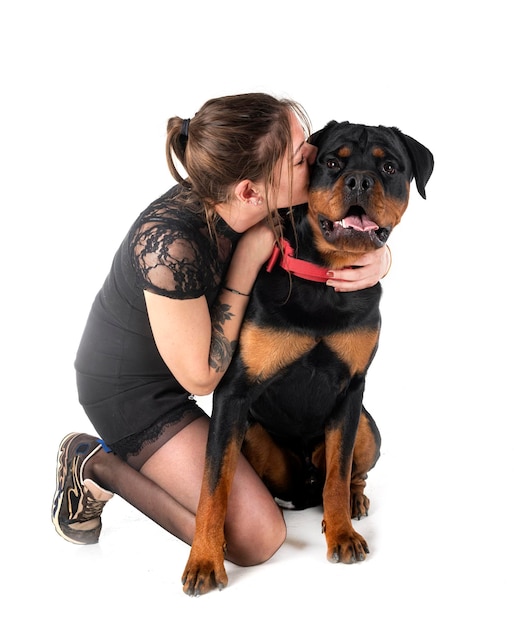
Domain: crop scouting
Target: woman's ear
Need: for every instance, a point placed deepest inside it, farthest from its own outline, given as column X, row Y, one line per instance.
column 248, row 192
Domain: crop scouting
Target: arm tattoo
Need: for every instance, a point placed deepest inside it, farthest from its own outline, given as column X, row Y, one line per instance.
column 221, row 348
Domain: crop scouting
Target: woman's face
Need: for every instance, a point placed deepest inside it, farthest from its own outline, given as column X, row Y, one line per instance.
column 293, row 187
column 295, row 191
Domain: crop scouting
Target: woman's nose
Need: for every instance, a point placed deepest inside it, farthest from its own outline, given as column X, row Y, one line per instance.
column 313, row 151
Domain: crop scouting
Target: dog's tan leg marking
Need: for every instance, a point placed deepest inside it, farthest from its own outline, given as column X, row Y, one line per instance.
column 266, row 351
column 274, row 464
column 343, row 543
column 365, row 455
column 205, row 568
column 355, row 348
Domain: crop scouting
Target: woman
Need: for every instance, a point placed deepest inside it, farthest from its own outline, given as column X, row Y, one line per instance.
column 164, row 326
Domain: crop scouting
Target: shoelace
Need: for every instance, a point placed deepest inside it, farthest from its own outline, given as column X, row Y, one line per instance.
column 92, row 508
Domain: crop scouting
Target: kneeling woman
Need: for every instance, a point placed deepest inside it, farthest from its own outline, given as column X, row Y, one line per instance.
column 166, row 321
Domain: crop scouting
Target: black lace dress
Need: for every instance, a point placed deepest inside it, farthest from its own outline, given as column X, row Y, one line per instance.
column 126, row 389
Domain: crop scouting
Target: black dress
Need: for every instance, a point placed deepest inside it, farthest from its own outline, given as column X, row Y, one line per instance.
column 124, row 386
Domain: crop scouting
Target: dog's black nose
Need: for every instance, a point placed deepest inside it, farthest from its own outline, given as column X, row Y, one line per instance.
column 359, row 182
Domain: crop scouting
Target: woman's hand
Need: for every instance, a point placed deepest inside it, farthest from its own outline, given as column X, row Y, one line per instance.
column 372, row 267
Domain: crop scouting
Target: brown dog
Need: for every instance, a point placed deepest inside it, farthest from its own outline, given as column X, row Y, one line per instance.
column 292, row 396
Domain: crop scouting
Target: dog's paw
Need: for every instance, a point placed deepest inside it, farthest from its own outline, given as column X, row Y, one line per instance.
column 345, row 547
column 203, row 575
column 360, row 505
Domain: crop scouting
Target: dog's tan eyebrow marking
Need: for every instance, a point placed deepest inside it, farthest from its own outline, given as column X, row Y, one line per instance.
column 378, row 152
column 344, row 152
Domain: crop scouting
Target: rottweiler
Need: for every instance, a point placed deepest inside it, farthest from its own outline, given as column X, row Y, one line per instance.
column 292, row 396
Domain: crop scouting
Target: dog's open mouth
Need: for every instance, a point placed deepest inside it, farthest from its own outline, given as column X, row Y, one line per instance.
column 355, row 224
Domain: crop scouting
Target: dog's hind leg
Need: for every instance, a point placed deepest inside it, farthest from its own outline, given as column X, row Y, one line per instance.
column 275, row 465
column 365, row 456
column 291, row 477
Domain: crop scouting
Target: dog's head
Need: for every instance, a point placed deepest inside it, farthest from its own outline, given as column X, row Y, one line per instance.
column 360, row 187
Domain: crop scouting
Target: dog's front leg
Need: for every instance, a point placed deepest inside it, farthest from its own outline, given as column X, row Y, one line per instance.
column 205, row 568
column 344, row 544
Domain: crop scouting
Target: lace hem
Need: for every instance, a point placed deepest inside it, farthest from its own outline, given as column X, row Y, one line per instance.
column 136, row 449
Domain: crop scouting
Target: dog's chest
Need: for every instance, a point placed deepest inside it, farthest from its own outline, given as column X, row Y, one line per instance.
column 267, row 352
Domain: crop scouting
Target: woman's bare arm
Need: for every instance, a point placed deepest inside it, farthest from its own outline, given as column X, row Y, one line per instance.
column 196, row 347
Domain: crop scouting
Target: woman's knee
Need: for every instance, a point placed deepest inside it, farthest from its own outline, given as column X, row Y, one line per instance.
column 255, row 539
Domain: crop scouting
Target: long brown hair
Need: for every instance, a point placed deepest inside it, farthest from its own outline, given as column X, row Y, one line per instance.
column 230, row 139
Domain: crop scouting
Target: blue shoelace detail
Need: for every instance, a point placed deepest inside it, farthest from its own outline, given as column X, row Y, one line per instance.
column 104, row 445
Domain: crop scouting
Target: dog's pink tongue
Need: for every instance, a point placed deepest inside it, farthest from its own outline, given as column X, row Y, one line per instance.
column 359, row 222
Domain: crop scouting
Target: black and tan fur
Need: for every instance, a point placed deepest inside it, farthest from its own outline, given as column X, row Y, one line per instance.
column 292, row 397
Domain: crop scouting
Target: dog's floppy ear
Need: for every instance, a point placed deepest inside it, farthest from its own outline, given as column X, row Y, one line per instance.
column 315, row 137
column 421, row 158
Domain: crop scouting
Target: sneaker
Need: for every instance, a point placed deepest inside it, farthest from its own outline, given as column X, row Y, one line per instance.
column 78, row 502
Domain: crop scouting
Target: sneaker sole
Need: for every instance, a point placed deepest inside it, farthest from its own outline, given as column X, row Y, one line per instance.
column 59, row 492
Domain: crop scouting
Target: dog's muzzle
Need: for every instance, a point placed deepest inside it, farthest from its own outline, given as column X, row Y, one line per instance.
column 355, row 225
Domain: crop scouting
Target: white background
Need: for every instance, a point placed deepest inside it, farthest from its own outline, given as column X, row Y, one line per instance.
column 87, row 89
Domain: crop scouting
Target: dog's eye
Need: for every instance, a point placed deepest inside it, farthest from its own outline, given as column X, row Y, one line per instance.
column 332, row 164
column 389, row 168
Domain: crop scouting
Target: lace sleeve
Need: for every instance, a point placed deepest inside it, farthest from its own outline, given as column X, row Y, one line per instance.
column 167, row 261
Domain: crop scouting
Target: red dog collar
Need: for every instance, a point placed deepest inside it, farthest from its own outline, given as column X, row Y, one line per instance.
column 303, row 269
